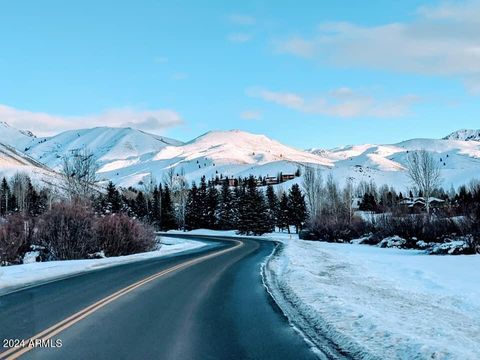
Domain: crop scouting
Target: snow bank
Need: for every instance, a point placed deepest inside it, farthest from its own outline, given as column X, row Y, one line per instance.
column 279, row 237
column 16, row 276
column 380, row 303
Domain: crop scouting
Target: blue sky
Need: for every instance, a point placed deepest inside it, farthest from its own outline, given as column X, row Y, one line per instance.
column 309, row 74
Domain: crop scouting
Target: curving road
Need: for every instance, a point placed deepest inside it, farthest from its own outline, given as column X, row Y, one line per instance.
column 205, row 304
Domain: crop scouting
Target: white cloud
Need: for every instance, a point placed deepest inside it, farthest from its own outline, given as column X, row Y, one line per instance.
column 251, row 115
column 443, row 40
column 342, row 102
column 44, row 124
column 242, row 19
column 239, row 37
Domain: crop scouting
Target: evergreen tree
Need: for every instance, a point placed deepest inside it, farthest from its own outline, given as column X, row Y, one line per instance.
column 155, row 208
column 283, row 217
column 272, row 202
column 212, row 206
column 193, row 209
column 140, row 207
column 297, row 207
column 4, row 197
column 226, row 212
column 368, row 203
column 253, row 214
column 203, row 199
column 12, row 203
column 112, row 202
column 33, row 204
column 264, row 223
column 169, row 221
column 238, row 203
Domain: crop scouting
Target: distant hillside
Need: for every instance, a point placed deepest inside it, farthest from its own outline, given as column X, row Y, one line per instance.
column 464, row 135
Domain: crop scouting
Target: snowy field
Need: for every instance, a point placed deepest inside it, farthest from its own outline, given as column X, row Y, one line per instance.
column 382, row 303
column 16, row 276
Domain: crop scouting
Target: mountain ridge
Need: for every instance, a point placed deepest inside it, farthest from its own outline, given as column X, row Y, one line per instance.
column 129, row 157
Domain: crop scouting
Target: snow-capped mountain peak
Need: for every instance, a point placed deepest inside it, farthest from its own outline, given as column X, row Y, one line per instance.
column 464, row 135
column 107, row 144
column 242, row 147
column 13, row 137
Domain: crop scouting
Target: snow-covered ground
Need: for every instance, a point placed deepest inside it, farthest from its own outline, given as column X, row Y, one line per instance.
column 16, row 276
column 381, row 303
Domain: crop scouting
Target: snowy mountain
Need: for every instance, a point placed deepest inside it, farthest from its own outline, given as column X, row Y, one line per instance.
column 130, row 157
column 216, row 153
column 13, row 161
column 386, row 164
column 113, row 148
column 18, row 139
column 464, row 135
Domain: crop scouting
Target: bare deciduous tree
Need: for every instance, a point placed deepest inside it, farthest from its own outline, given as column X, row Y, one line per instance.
column 80, row 171
column 313, row 187
column 19, row 185
column 424, row 172
column 348, row 199
column 179, row 196
column 169, row 177
column 333, row 201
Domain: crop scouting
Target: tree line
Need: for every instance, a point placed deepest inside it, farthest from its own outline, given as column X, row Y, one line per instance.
column 245, row 208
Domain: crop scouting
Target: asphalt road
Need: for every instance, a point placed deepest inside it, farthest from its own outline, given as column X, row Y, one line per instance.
column 171, row 308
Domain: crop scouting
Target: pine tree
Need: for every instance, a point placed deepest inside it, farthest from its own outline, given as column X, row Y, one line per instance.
column 193, row 209
column 253, row 214
column 112, row 202
column 155, row 208
column 168, row 215
column 202, row 199
column 283, row 217
column 264, row 223
column 272, row 202
column 238, row 204
column 211, row 206
column 4, row 197
column 226, row 212
column 246, row 215
column 297, row 207
column 33, row 206
column 368, row 203
column 140, row 207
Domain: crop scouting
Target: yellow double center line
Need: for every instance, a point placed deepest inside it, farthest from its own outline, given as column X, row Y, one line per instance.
column 47, row 334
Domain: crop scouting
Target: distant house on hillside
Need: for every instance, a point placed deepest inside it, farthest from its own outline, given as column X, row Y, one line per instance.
column 356, row 201
column 271, row 180
column 286, row 177
column 419, row 203
column 231, row 182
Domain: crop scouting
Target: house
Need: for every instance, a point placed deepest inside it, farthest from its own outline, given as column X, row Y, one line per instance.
column 356, row 201
column 271, row 180
column 231, row 182
column 419, row 202
column 286, row 177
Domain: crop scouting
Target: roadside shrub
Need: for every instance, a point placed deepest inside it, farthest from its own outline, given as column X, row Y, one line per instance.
column 337, row 229
column 118, row 234
column 66, row 231
column 15, row 239
column 417, row 226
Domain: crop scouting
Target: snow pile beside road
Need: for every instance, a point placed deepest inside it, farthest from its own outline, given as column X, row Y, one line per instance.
column 380, row 303
column 16, row 276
